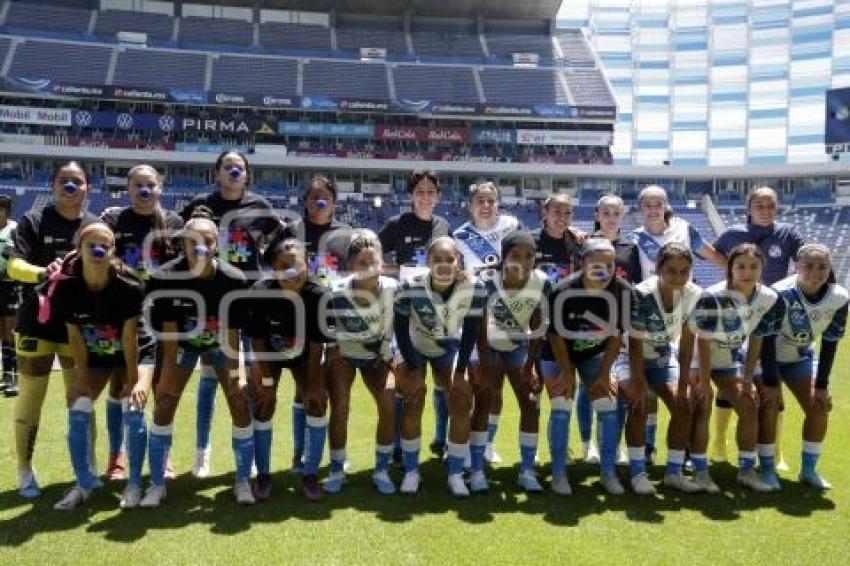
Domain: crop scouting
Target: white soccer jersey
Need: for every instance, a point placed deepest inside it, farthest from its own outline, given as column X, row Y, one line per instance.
column 727, row 321
column 480, row 247
column 363, row 332
column 509, row 312
column 434, row 322
column 660, row 329
column 804, row 321
column 649, row 245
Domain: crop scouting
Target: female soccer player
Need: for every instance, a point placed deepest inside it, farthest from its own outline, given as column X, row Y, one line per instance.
column 283, row 322
column 10, row 296
column 99, row 302
column 144, row 234
column 734, row 315
column 814, row 306
column 362, row 309
column 245, row 221
column 514, row 320
column 608, row 219
column 661, row 343
column 436, row 316
column 588, row 315
column 479, row 241
column 43, row 237
column 189, row 305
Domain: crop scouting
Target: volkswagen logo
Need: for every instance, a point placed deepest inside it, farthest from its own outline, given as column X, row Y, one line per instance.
column 83, row 119
column 166, row 123
column 124, row 121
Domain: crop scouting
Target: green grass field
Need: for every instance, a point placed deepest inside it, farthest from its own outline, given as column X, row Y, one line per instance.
column 200, row 521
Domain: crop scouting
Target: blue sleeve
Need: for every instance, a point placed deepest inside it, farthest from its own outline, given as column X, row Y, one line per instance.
column 771, row 322
column 697, row 241
column 723, row 243
column 468, row 336
column 835, row 331
column 825, row 361
column 401, row 325
column 769, row 367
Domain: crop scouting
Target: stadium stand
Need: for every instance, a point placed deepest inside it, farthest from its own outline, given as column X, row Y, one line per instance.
column 345, row 79
column 255, row 75
column 160, row 69
column 81, row 64
column 351, row 37
column 444, row 44
column 48, row 18
column 450, row 84
column 198, row 31
column 158, row 27
column 522, row 86
column 276, row 36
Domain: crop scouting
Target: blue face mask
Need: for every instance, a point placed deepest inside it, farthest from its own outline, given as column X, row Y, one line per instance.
column 598, row 274
column 290, row 273
column 146, row 191
column 201, row 251
column 234, row 172
column 70, row 188
column 98, row 251
column 321, row 204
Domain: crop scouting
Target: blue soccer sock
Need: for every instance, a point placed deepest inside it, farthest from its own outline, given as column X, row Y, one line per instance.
column 79, row 421
column 584, row 415
column 651, row 427
column 637, row 460
column 299, row 429
column 811, row 454
column 410, row 453
column 159, row 443
column 527, row 451
column 456, row 455
column 137, row 439
column 492, row 427
column 607, row 429
column 675, row 462
column 477, row 445
column 700, row 462
column 383, row 455
column 315, row 444
column 207, row 388
column 243, row 451
column 399, row 417
column 767, row 458
column 337, row 460
column 263, row 435
column 746, row 460
column 559, row 434
column 441, row 415
column 114, row 425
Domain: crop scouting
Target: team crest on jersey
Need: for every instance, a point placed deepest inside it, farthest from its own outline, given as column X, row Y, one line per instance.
column 775, row 251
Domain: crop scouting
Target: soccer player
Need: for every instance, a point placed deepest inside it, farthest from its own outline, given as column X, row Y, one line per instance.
column 362, row 311
column 99, row 301
column 245, row 221
column 437, row 316
column 189, row 307
column 779, row 244
column 514, row 317
column 815, row 306
column 144, row 234
column 608, row 219
column 283, row 323
column 479, row 241
column 326, row 241
column 42, row 238
column 10, row 297
column 661, row 343
column 661, row 226
column 588, row 313
column 734, row 316
column 405, row 238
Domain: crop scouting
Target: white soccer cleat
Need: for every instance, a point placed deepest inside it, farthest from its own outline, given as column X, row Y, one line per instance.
column 561, row 485
column 751, row 479
column 529, row 483
column 681, row 483
column 641, row 485
column 490, row 455
column 131, row 497
column 591, row 454
column 154, row 496
column 73, row 498
column 704, row 481
column 410, row 483
column 457, row 486
column 478, row 482
column 201, row 465
column 244, row 494
column 612, row 484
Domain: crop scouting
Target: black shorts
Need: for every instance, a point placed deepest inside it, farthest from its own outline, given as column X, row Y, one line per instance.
column 10, row 298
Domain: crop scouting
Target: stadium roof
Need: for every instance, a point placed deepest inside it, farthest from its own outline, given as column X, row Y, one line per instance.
column 514, row 9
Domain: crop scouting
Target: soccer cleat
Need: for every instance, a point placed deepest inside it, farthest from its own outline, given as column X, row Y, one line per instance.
column 311, row 489
column 242, row 491
column 769, row 477
column 154, row 496
column 29, row 488
column 704, row 481
column 334, row 482
column 383, row 483
column 591, row 454
column 201, row 465
column 115, row 468
column 529, row 483
column 641, row 485
column 169, row 469
column 612, row 484
column 682, row 483
column 298, row 465
column 812, row 478
column 457, row 486
column 263, row 487
column 749, row 478
column 11, row 391
column 131, row 497
column 346, row 466
column 410, row 483
column 490, row 455
column 478, row 482
column 73, row 498
column 438, row 449
column 561, row 485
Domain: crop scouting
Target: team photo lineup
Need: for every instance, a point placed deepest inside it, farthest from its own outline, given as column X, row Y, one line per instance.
column 609, row 325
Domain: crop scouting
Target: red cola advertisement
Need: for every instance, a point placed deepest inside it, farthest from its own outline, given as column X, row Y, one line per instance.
column 422, row 134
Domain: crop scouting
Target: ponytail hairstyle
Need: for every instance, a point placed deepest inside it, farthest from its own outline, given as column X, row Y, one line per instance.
column 603, row 200
column 440, row 240
column 562, row 198
column 362, row 239
column 672, row 250
column 62, row 165
column 657, row 191
column 420, row 175
column 160, row 223
column 475, row 188
column 740, row 250
column 811, row 249
column 219, row 161
column 763, row 191
column 285, row 245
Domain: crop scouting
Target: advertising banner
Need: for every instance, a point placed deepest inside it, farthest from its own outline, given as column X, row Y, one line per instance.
column 837, row 131
column 555, row 137
column 422, row 134
column 326, row 130
column 32, row 115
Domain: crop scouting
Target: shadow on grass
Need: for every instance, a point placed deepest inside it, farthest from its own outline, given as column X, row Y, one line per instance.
column 189, row 503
